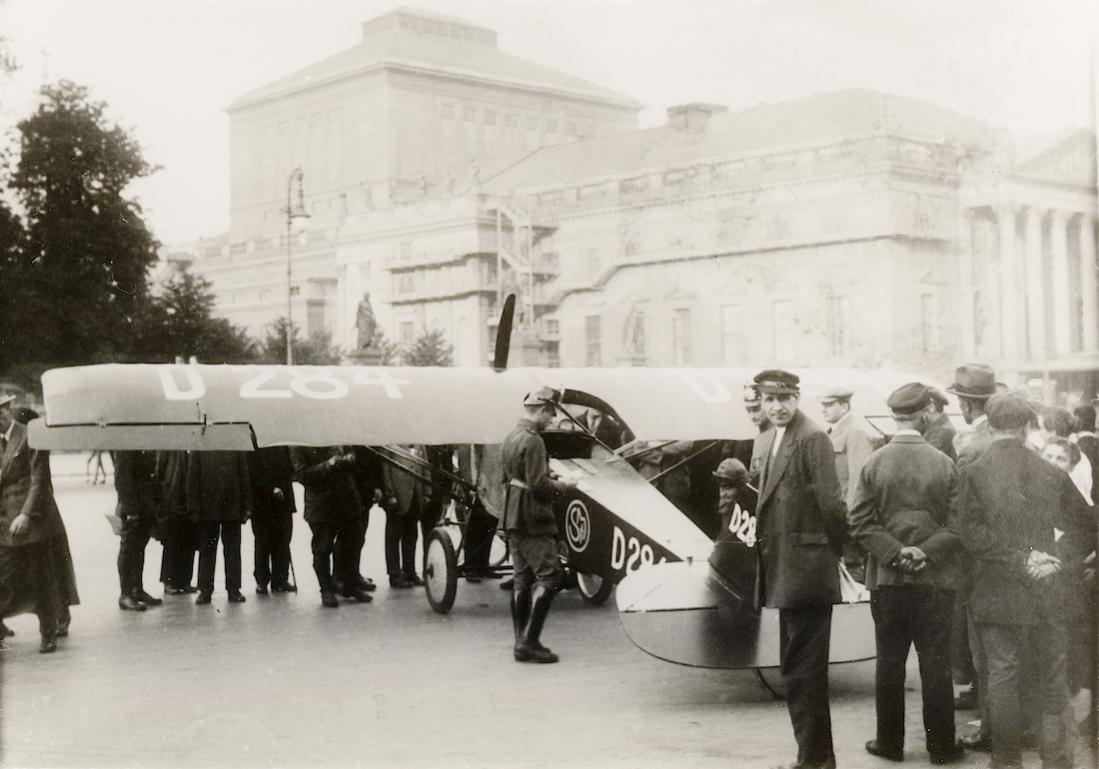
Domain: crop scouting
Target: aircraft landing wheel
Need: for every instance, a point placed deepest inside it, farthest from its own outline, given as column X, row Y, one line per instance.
column 440, row 571
column 593, row 588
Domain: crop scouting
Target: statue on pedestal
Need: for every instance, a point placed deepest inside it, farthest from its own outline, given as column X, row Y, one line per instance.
column 365, row 324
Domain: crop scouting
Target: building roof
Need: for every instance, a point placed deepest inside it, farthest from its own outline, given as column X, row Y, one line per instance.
column 815, row 120
column 417, row 40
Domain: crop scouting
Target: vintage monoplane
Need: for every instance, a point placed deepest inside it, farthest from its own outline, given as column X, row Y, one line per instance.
column 616, row 524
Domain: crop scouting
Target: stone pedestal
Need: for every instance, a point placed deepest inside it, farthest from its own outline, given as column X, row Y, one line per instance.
column 367, row 356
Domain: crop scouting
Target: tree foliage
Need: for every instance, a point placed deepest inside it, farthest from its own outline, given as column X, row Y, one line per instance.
column 317, row 350
column 81, row 275
column 429, row 349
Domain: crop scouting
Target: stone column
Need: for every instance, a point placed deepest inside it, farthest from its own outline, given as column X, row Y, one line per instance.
column 1089, row 291
column 1035, row 286
column 1062, row 302
column 1010, row 346
column 965, row 282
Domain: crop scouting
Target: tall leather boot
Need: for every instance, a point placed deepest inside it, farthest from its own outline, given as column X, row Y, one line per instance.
column 541, row 600
column 520, row 615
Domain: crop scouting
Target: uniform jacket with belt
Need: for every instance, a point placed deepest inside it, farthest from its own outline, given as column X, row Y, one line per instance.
column 330, row 492
column 218, row 486
column 800, row 519
column 269, row 469
column 1010, row 503
column 26, row 487
column 940, row 434
column 903, row 497
column 853, row 441
column 531, row 491
column 136, row 483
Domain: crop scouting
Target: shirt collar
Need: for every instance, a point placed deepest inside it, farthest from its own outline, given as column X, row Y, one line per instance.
column 7, row 435
column 980, row 421
column 907, row 432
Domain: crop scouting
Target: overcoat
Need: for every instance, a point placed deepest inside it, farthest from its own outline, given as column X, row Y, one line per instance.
column 269, row 469
column 218, row 486
column 136, row 483
column 973, row 444
column 800, row 519
column 330, row 492
column 26, row 487
column 940, row 434
column 853, row 441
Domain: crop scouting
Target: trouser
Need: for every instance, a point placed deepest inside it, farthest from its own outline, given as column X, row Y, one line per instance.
column 349, row 572
column 400, row 544
column 905, row 616
column 804, row 638
column 136, row 530
column 430, row 516
column 980, row 669
column 479, row 530
column 26, row 581
column 272, row 548
column 177, row 562
column 229, row 533
column 961, row 656
column 535, row 560
column 1005, row 651
column 333, row 549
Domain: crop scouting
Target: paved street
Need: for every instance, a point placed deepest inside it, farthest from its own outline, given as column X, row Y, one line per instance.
column 280, row 681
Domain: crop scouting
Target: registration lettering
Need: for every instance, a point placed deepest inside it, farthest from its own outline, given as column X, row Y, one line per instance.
column 628, row 553
column 192, row 388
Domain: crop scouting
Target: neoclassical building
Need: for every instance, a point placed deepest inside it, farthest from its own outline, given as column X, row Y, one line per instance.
column 854, row 228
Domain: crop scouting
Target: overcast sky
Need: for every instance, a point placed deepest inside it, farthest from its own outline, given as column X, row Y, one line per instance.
column 167, row 69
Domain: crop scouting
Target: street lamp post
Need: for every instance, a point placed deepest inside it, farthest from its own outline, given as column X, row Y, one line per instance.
column 292, row 212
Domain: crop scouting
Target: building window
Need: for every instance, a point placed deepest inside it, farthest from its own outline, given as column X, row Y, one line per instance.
column 405, row 283
column 732, row 337
column 593, row 341
column 553, row 327
column 929, row 322
column 553, row 355
column 681, row 337
column 406, row 332
column 837, row 326
column 782, row 330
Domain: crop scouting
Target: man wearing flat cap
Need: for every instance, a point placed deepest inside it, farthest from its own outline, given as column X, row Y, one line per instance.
column 532, row 526
column 901, row 516
column 753, row 404
column 853, row 439
column 800, row 531
column 1018, row 518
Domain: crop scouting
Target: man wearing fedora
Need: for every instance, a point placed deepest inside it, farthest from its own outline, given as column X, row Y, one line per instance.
column 800, row 530
column 1019, row 520
column 974, row 384
column 902, row 517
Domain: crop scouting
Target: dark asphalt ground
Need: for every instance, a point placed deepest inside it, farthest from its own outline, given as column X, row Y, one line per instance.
column 282, row 682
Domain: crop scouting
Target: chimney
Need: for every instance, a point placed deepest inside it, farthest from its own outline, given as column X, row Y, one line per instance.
column 694, row 115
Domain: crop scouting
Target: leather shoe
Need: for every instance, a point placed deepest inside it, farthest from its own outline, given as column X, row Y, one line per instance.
column 174, row 591
column 129, row 603
column 147, row 599
column 189, row 589
column 48, row 645
column 235, row 596
column 283, row 587
column 367, row 584
column 204, row 597
column 966, row 699
column 329, row 600
column 414, row 579
column 261, row 589
column 473, row 578
column 399, row 582
column 528, row 652
column 359, row 595
column 875, row 748
column 975, row 742
column 951, row 755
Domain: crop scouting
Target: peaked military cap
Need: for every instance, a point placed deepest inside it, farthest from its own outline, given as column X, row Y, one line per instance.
column 1007, row 412
column 973, row 380
column 732, row 469
column 774, row 381
column 909, row 398
column 938, row 396
column 543, row 396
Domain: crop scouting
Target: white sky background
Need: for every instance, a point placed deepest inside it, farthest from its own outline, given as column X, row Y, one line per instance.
column 167, row 69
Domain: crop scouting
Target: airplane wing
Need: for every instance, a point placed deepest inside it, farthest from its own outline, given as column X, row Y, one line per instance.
column 115, row 406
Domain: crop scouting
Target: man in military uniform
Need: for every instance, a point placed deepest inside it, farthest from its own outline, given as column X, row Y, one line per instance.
column 531, row 525
column 753, row 404
column 801, row 524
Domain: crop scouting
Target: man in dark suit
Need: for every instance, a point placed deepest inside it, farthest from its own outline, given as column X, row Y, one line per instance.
column 273, row 510
column 405, row 496
column 29, row 518
column 332, row 509
column 1012, row 508
column 939, row 432
column 801, row 528
column 138, row 507
column 901, row 517
column 219, row 499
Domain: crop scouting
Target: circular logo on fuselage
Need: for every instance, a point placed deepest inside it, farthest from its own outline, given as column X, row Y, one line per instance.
column 577, row 525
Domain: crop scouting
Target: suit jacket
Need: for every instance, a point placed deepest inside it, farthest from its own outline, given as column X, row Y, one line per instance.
column 269, row 469
column 972, row 445
column 903, row 497
column 26, row 487
column 410, row 492
column 330, row 492
column 136, row 484
column 940, row 434
column 218, row 486
column 1009, row 504
column 801, row 519
column 853, row 441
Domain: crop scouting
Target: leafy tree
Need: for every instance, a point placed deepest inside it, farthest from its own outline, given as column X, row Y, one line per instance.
column 179, row 321
column 388, row 351
column 11, row 246
column 429, row 349
column 317, row 350
column 82, row 276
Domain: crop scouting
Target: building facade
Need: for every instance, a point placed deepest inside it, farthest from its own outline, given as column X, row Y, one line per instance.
column 848, row 229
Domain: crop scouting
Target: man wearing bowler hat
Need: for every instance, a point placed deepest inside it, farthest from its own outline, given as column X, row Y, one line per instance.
column 901, row 516
column 1019, row 521
column 800, row 530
